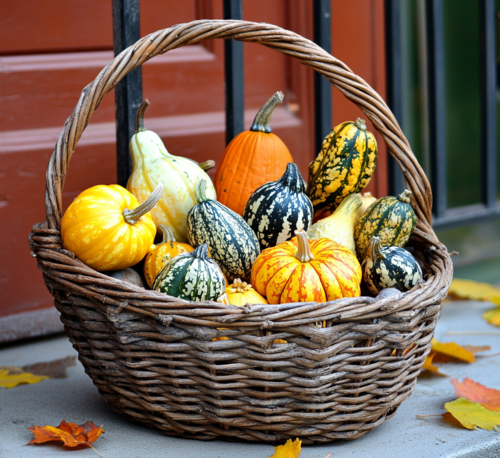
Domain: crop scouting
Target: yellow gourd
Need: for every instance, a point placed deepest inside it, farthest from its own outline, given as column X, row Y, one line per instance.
column 153, row 164
column 241, row 293
column 107, row 229
column 339, row 226
column 366, row 200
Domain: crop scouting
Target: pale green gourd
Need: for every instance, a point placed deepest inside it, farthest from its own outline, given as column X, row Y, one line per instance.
column 339, row 226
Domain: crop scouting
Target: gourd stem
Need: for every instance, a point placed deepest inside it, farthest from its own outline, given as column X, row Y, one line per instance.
column 168, row 235
column 201, row 252
column 405, row 196
column 263, row 116
column 139, row 117
column 375, row 249
column 239, row 286
column 133, row 216
column 201, row 191
column 361, row 124
column 304, row 253
column 207, row 165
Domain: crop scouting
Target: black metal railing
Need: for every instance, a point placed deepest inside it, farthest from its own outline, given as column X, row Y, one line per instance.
column 129, row 96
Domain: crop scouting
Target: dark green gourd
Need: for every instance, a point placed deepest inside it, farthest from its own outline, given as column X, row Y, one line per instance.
column 390, row 267
column 192, row 276
column 232, row 242
column 279, row 208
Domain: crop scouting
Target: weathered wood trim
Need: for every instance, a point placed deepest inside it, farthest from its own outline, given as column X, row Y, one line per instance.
column 30, row 324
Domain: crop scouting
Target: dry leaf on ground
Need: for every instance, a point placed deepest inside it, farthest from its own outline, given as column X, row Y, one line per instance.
column 11, row 380
column 428, row 366
column 452, row 349
column 493, row 316
column 288, row 450
column 472, row 415
column 489, row 398
column 469, row 289
column 71, row 434
column 53, row 369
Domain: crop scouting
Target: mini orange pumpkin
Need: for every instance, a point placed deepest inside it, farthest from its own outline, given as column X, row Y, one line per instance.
column 303, row 270
column 252, row 158
column 164, row 251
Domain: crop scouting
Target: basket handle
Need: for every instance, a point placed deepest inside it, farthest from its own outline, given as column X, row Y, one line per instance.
column 284, row 41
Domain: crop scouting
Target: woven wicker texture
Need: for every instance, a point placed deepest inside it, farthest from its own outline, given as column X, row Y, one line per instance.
column 347, row 364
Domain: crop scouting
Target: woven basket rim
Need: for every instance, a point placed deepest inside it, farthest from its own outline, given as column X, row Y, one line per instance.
column 156, row 304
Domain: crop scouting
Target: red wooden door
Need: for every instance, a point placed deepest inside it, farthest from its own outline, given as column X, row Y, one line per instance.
column 50, row 50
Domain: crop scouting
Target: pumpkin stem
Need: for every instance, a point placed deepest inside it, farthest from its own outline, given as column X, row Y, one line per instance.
column 139, row 117
column 168, row 235
column 405, row 196
column 263, row 117
column 361, row 124
column 201, row 252
column 239, row 286
column 133, row 216
column 374, row 250
column 292, row 178
column 304, row 253
column 201, row 191
column 207, row 165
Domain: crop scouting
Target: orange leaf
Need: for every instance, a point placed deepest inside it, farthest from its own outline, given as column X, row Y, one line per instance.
column 288, row 450
column 428, row 366
column 452, row 349
column 71, row 434
column 475, row 392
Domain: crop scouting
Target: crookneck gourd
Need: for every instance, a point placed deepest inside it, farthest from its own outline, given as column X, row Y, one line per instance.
column 192, row 276
column 153, row 164
column 163, row 252
column 232, row 242
column 253, row 158
column 344, row 165
column 241, row 293
column 390, row 267
column 279, row 208
column 107, row 229
column 303, row 270
column 391, row 219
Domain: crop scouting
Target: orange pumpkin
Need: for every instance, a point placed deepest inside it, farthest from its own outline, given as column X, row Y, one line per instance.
column 303, row 270
column 164, row 251
column 253, row 158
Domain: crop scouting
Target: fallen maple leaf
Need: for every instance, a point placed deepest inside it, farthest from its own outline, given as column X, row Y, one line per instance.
column 288, row 450
column 452, row 349
column 446, row 358
column 428, row 366
column 472, row 415
column 10, row 380
column 489, row 398
column 469, row 289
column 71, row 434
column 493, row 316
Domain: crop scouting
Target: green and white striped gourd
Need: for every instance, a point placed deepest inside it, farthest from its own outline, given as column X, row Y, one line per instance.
column 192, row 276
column 232, row 242
column 390, row 267
column 279, row 208
column 344, row 165
column 390, row 218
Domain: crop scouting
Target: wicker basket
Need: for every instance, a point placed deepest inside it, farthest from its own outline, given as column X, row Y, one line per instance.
column 153, row 357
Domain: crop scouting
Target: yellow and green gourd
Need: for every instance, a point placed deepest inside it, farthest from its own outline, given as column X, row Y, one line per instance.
column 389, row 218
column 344, row 165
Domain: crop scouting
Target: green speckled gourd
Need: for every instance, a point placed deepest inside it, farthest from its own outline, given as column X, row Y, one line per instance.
column 390, row 218
column 192, row 276
column 389, row 267
column 233, row 243
column 344, row 165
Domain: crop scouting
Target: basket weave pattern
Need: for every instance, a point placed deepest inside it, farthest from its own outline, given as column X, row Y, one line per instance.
column 347, row 364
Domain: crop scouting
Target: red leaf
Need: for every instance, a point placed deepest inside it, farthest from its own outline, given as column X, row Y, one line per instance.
column 475, row 392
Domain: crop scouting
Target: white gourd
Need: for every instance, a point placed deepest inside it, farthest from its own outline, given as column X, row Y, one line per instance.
column 153, row 164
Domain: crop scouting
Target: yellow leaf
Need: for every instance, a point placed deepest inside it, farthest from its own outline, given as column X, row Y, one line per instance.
column 473, row 415
column 452, row 349
column 493, row 316
column 9, row 380
column 469, row 289
column 428, row 366
column 288, row 450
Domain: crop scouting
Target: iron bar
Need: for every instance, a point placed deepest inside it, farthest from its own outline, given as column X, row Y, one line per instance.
column 322, row 87
column 233, row 73
column 394, row 82
column 128, row 92
column 436, row 104
column 487, row 19
column 469, row 214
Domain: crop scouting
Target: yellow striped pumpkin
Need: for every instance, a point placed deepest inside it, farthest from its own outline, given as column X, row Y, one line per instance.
column 344, row 165
column 303, row 270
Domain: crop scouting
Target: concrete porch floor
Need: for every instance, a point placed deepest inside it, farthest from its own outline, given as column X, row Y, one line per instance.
column 404, row 436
